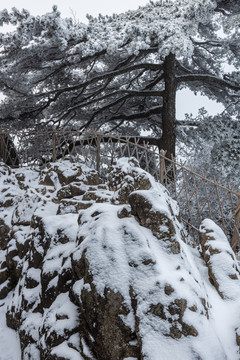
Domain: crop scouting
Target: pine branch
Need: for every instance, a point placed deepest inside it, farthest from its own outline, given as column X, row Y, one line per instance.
column 214, row 80
column 114, row 73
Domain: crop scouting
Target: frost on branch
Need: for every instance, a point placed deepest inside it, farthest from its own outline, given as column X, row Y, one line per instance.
column 169, row 24
column 48, row 29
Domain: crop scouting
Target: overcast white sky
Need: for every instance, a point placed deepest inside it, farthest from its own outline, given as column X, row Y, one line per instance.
column 79, row 7
column 186, row 101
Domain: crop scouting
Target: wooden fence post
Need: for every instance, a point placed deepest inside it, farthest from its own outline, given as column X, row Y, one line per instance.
column 98, row 155
column 162, row 166
column 235, row 238
column 2, row 146
column 54, row 141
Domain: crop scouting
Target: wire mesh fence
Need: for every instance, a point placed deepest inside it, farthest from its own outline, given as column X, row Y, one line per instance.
column 198, row 196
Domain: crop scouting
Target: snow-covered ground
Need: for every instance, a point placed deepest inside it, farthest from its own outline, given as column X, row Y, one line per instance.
column 9, row 340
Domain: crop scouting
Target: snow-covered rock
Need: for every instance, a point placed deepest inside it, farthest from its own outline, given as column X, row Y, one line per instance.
column 220, row 259
column 105, row 271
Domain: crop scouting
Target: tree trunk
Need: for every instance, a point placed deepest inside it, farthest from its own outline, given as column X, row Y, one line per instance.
column 168, row 140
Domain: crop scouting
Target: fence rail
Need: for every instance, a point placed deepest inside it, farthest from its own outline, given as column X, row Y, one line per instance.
column 198, row 196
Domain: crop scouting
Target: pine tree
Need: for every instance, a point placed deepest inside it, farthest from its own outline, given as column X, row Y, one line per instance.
column 118, row 72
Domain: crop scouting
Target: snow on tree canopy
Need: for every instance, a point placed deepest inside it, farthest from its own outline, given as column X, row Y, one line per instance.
column 166, row 23
column 170, row 24
column 32, row 30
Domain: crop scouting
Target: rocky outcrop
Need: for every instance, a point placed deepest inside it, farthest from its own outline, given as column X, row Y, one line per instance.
column 223, row 269
column 143, row 298
column 153, row 210
column 125, row 177
column 104, row 271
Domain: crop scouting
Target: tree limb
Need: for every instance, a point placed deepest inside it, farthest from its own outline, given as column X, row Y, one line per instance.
column 208, row 78
column 114, row 73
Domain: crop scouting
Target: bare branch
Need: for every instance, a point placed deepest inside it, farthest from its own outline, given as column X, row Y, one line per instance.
column 208, row 78
column 142, row 115
column 114, row 73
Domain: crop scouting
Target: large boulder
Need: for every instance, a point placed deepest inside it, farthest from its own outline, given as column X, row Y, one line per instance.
column 136, row 297
column 223, row 268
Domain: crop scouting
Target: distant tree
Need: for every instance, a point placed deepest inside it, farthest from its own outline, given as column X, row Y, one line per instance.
column 212, row 144
column 121, row 71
